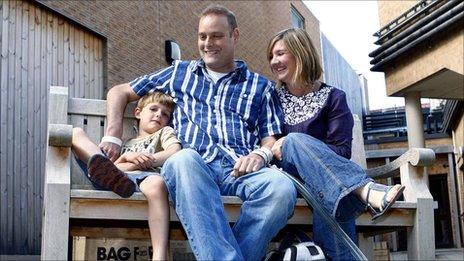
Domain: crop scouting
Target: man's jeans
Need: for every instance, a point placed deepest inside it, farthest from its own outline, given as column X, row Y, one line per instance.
column 195, row 188
column 331, row 179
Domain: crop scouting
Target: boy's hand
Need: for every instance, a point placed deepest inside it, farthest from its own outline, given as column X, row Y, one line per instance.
column 247, row 164
column 111, row 150
column 143, row 160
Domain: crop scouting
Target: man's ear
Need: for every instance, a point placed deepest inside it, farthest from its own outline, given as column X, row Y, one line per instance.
column 235, row 34
column 137, row 112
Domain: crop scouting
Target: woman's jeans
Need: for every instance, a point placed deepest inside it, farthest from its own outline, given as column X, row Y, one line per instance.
column 331, row 179
column 195, row 189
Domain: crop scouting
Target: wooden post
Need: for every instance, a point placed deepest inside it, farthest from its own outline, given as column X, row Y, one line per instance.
column 58, row 105
column 421, row 237
column 55, row 222
column 453, row 201
column 79, row 249
column 393, row 235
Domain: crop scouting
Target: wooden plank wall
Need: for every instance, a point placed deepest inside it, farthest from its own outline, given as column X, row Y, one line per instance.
column 338, row 73
column 38, row 49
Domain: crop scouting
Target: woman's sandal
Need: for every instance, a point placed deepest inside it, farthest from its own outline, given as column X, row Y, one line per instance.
column 385, row 205
column 103, row 172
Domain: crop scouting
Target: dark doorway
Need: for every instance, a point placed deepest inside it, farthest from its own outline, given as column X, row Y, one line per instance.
column 443, row 230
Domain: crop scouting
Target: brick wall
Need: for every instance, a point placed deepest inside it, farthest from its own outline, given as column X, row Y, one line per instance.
column 444, row 51
column 389, row 10
column 135, row 31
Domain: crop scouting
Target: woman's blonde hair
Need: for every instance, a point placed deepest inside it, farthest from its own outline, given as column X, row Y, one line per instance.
column 298, row 43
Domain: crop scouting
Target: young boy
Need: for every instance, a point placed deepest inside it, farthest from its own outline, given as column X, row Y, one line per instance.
column 154, row 144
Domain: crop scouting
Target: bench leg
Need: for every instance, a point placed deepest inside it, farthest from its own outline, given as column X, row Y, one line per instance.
column 55, row 223
column 55, row 213
column 421, row 237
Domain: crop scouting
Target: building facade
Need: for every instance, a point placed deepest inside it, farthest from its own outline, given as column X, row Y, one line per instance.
column 421, row 53
column 135, row 31
column 91, row 46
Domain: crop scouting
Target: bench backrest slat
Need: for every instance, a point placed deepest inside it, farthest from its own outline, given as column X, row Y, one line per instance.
column 94, row 128
column 95, row 107
column 358, row 153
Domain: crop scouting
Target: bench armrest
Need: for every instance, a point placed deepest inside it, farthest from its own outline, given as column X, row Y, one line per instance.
column 415, row 156
column 60, row 135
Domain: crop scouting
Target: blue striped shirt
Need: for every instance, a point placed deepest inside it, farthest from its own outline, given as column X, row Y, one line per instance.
column 230, row 116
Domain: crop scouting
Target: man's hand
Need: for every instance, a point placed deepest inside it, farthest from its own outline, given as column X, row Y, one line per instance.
column 277, row 148
column 111, row 150
column 247, row 164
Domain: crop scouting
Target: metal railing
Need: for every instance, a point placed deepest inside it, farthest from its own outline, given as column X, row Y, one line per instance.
column 393, row 123
column 403, row 19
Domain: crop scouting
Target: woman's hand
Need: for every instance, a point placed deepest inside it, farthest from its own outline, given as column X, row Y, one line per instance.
column 247, row 164
column 277, row 148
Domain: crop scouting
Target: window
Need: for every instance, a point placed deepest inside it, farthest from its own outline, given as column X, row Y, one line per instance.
column 297, row 19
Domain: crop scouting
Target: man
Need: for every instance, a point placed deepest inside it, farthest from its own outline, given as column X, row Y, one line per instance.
column 223, row 111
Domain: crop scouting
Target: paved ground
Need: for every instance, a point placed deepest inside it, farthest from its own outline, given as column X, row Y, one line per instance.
column 441, row 254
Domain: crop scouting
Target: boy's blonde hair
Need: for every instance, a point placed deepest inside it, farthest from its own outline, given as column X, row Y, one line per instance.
column 299, row 44
column 158, row 97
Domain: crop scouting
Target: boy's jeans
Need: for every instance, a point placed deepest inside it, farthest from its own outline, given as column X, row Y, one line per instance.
column 195, row 188
column 331, row 179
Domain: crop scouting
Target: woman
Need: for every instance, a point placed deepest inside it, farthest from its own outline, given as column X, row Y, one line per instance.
column 317, row 146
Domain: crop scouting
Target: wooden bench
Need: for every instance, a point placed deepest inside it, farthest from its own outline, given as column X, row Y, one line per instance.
column 69, row 197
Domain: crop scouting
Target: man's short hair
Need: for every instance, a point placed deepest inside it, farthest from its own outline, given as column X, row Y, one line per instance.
column 158, row 97
column 221, row 10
